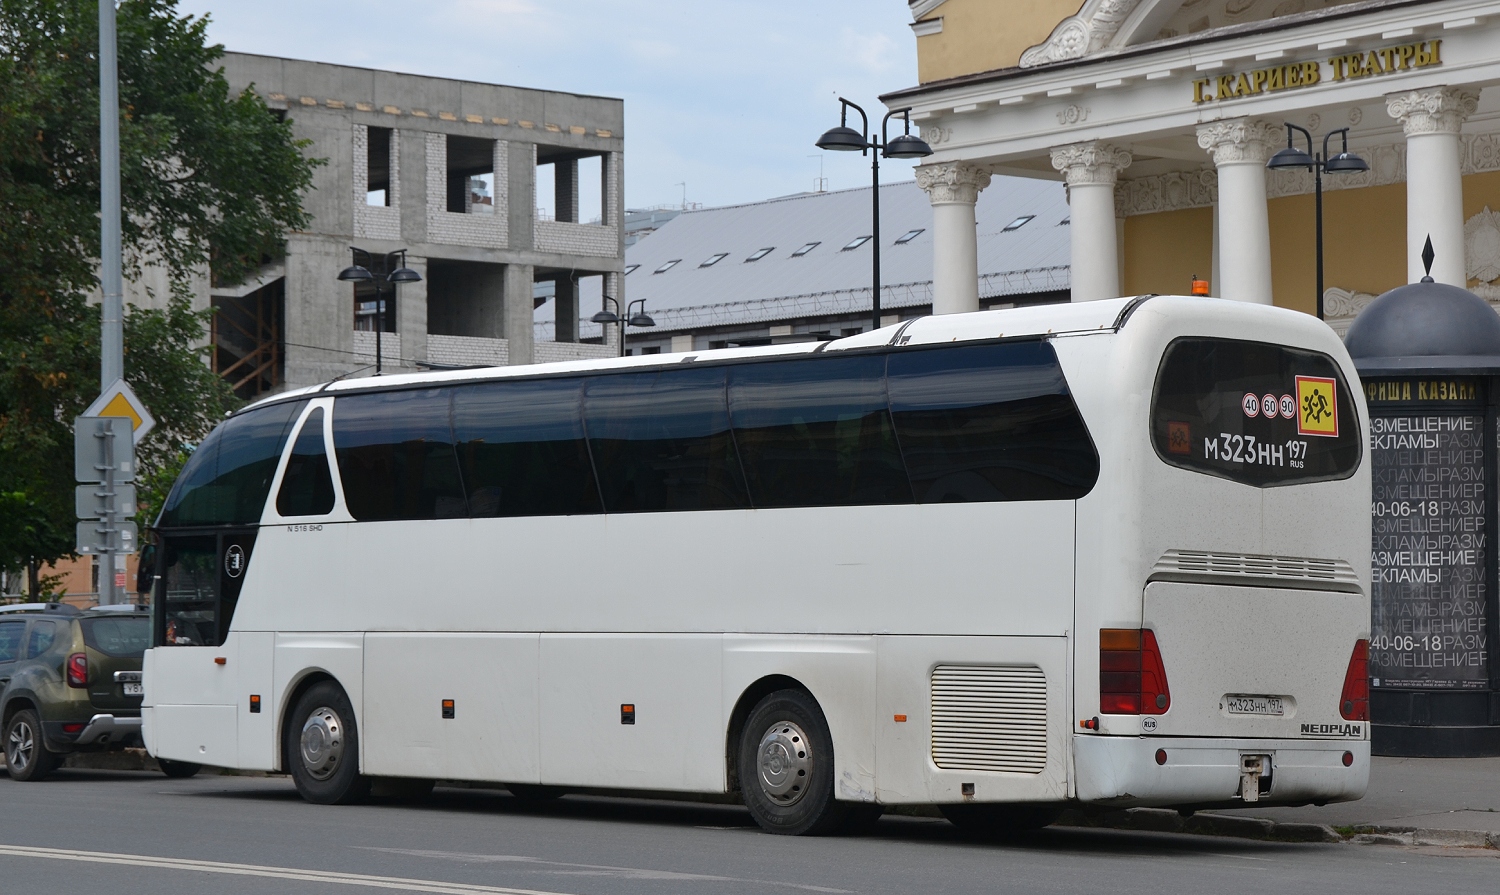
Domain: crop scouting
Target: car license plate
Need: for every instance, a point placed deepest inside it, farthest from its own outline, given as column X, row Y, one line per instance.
column 134, row 690
column 1254, row 705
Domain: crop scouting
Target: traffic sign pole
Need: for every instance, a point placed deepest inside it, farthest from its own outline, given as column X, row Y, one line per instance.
column 104, row 461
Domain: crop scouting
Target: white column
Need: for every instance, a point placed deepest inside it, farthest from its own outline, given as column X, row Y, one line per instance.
column 1434, row 179
column 1091, row 170
column 1240, row 149
column 953, row 188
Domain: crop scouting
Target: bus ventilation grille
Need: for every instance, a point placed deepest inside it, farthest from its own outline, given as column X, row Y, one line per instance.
column 989, row 718
column 1301, row 571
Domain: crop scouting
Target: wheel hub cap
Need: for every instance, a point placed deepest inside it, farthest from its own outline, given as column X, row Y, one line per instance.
column 19, row 746
column 322, row 743
column 784, row 760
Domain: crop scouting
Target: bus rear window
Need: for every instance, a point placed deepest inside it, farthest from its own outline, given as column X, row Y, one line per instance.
column 1254, row 413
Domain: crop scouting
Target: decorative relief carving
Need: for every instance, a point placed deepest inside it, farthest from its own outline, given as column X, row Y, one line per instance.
column 1482, row 246
column 935, row 135
column 954, row 182
column 1356, row 115
column 1341, row 306
column 1088, row 32
column 1085, row 164
column 1439, row 110
column 1167, row 192
column 1072, row 114
column 1238, row 141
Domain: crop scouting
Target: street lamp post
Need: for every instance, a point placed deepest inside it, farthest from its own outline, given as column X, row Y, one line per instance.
column 846, row 139
column 1345, row 162
column 640, row 318
column 380, row 274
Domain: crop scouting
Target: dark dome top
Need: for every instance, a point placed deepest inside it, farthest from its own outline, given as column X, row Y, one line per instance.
column 1425, row 326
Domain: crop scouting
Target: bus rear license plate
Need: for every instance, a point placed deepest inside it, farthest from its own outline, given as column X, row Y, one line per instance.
column 1255, row 705
column 134, row 690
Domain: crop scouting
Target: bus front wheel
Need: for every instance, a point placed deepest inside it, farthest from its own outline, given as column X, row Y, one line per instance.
column 322, row 747
column 786, row 768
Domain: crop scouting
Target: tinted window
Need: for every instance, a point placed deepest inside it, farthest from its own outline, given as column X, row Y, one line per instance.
column 43, row 633
column 989, row 422
column 226, row 480
column 395, row 454
column 815, row 433
column 190, row 591
column 121, row 638
column 661, row 441
column 10, row 640
column 1255, row 413
column 521, row 448
column 307, row 487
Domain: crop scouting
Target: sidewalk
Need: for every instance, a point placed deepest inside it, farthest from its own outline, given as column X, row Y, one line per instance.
column 1411, row 801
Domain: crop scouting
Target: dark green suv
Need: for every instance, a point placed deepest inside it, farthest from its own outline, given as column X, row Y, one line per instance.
column 70, row 681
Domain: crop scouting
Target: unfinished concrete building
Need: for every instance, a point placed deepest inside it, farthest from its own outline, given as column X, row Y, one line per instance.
column 490, row 190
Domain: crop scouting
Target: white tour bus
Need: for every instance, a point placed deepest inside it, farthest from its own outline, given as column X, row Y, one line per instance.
column 1105, row 554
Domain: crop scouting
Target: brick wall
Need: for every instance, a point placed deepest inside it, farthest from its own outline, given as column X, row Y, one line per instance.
column 376, row 221
column 467, row 351
column 444, row 226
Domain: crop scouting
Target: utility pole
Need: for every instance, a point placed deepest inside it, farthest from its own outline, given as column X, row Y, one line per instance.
column 112, row 334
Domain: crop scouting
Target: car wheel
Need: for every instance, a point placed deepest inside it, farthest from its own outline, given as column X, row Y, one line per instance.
column 179, row 770
column 27, row 757
column 998, row 821
column 322, row 747
column 786, row 768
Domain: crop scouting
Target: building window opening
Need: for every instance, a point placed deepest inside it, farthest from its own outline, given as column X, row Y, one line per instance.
column 471, row 175
column 378, row 167
column 855, row 243
column 590, row 189
column 714, row 259
column 805, row 249
column 909, row 235
column 760, row 253
column 570, row 186
column 1018, row 223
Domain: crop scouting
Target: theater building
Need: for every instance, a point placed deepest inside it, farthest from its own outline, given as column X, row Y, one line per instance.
column 1160, row 116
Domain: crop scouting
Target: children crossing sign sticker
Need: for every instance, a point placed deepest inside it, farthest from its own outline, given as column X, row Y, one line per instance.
column 1317, row 411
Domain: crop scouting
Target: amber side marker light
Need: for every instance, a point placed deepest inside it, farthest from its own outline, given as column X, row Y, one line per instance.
column 900, row 719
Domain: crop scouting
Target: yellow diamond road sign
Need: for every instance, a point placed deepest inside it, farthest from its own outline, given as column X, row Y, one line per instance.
column 120, row 400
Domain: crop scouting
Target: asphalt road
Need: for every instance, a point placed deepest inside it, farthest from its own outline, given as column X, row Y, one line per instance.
column 125, row 833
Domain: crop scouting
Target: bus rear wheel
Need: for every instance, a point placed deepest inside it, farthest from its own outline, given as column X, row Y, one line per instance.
column 322, row 747
column 786, row 768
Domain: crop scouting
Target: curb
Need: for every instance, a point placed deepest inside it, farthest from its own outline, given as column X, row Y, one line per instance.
column 1163, row 820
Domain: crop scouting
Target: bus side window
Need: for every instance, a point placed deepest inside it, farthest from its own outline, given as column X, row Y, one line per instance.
column 661, row 441
column 521, row 448
column 395, row 455
column 307, row 487
column 989, row 423
column 816, row 433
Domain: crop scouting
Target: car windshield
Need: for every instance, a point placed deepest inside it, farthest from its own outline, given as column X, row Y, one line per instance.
column 120, row 638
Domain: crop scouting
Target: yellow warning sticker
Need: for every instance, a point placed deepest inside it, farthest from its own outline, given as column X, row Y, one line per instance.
column 1317, row 412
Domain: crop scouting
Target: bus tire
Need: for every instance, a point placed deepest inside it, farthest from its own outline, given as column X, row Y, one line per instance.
column 26, row 755
column 322, row 747
column 786, row 767
column 178, row 770
column 998, row 821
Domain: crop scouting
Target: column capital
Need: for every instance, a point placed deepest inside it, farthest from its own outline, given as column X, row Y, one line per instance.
column 1436, row 110
column 1238, row 141
column 1093, row 163
column 952, row 182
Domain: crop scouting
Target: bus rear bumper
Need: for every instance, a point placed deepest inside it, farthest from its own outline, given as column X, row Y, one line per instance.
column 1124, row 772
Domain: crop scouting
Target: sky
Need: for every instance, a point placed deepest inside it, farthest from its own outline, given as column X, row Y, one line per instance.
column 725, row 96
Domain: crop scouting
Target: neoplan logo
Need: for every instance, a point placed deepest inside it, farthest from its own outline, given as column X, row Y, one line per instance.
column 1344, row 730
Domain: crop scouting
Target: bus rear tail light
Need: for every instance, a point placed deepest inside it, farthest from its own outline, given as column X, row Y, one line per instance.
column 78, row 670
column 1132, row 678
column 1354, row 703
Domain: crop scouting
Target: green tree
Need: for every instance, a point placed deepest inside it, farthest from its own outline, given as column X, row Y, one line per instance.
column 208, row 178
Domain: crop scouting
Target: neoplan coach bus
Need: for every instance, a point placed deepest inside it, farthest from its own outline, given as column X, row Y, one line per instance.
column 1110, row 554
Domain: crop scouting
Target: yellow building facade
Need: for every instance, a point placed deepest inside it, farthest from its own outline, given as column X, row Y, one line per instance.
column 1160, row 115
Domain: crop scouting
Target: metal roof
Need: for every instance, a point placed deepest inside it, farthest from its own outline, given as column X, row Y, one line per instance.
column 828, row 280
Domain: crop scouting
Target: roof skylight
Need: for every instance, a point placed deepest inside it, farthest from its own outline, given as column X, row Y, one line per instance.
column 855, row 243
column 714, row 259
column 668, row 266
column 629, row 268
column 909, row 235
column 761, row 253
column 805, row 249
column 1018, row 223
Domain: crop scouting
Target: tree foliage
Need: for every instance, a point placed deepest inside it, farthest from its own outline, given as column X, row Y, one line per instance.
column 208, row 178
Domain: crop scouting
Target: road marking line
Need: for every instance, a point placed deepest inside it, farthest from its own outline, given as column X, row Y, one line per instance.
column 291, row 873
